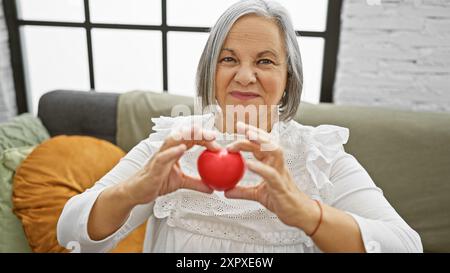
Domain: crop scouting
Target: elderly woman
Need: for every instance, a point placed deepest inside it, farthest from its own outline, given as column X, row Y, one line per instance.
column 305, row 194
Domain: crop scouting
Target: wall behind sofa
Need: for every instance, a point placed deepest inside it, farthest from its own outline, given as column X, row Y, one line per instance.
column 7, row 94
column 395, row 53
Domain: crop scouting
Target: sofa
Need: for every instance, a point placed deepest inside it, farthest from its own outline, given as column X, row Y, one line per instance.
column 406, row 153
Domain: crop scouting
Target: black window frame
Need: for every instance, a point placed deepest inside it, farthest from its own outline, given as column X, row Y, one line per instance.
column 330, row 36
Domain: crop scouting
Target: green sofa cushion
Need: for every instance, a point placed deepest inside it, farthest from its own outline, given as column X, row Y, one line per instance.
column 18, row 137
column 136, row 108
column 12, row 235
column 23, row 130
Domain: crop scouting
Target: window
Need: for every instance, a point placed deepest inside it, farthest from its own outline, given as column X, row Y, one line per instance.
column 123, row 45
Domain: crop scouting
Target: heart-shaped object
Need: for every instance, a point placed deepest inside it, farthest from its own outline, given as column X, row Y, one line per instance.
column 221, row 170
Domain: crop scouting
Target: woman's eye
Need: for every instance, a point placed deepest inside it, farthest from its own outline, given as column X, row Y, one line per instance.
column 227, row 60
column 265, row 61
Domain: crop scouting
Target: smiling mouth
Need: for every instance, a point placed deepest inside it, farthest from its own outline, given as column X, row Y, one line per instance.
column 243, row 95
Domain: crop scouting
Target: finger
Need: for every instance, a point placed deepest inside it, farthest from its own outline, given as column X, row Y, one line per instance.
column 246, row 146
column 259, row 136
column 269, row 174
column 197, row 136
column 196, row 184
column 239, row 192
column 165, row 159
column 263, row 139
column 190, row 137
column 250, row 129
column 208, row 140
column 243, row 145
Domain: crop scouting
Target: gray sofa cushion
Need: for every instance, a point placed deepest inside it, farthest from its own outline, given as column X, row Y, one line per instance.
column 79, row 113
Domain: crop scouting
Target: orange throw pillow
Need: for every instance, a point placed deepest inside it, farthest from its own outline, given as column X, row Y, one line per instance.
column 56, row 170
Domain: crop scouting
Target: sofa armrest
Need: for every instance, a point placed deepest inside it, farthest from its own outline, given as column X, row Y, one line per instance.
column 93, row 114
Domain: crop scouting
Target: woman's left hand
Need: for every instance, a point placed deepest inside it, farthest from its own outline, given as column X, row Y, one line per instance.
column 278, row 191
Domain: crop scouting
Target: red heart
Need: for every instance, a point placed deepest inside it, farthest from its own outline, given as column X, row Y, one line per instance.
column 221, row 170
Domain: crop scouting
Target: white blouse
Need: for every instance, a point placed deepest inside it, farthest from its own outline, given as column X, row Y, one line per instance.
column 191, row 221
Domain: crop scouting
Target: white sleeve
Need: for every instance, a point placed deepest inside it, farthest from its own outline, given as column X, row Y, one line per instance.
column 382, row 228
column 72, row 224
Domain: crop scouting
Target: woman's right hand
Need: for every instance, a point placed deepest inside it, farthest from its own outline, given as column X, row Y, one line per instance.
column 162, row 174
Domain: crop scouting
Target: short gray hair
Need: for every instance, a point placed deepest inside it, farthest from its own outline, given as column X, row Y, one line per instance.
column 206, row 70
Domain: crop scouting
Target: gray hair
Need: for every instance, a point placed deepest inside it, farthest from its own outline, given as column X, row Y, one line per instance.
column 206, row 70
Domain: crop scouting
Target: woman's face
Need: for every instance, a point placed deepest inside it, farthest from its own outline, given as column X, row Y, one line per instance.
column 252, row 65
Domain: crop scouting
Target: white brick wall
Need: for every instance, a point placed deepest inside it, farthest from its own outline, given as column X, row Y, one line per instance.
column 396, row 54
column 7, row 94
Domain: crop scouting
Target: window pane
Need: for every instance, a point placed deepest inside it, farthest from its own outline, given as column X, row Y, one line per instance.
column 197, row 13
column 51, row 10
column 127, row 59
column 54, row 58
column 126, row 11
column 184, row 50
column 306, row 14
column 312, row 59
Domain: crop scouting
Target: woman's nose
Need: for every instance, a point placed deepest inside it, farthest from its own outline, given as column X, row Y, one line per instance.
column 245, row 75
